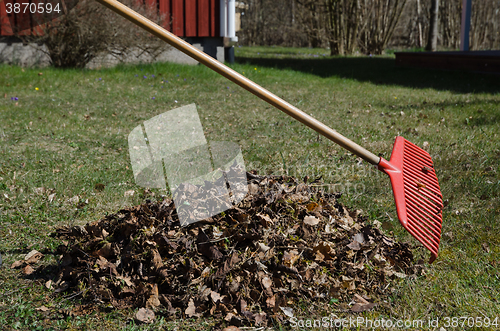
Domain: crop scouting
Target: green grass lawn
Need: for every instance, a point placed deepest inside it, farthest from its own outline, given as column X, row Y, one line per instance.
column 67, row 131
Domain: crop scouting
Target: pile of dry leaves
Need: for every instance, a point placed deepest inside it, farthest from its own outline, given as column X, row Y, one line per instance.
column 286, row 242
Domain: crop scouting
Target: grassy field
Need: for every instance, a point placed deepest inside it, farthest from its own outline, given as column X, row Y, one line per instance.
column 67, row 131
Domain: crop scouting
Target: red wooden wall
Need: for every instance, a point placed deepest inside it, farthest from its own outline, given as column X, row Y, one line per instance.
column 185, row 18
column 191, row 18
column 5, row 29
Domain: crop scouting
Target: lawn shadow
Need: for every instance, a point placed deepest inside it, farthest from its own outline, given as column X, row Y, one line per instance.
column 480, row 118
column 383, row 71
column 485, row 120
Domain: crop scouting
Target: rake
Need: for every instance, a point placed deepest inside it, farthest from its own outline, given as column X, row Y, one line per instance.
column 417, row 195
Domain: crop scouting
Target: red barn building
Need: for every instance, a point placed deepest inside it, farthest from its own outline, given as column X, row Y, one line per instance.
column 209, row 23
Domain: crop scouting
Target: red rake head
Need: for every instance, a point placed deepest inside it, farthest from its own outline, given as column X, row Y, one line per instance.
column 419, row 202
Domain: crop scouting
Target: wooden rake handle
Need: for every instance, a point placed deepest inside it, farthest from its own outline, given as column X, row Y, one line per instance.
column 241, row 80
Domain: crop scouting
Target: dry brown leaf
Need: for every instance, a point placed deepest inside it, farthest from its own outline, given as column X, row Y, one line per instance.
column 234, row 286
column 102, row 263
column 127, row 280
column 311, row 220
column 358, row 307
column 359, row 237
column 206, row 272
column 51, row 197
column 33, row 257
column 262, row 247
column 267, row 282
column 324, row 250
column 379, row 259
column 290, row 257
column 253, row 189
column 151, row 243
column 215, row 296
column 271, row 301
column 242, row 306
column 157, row 261
column 265, row 220
column 319, row 257
column 348, row 283
column 312, row 207
column 388, row 241
column 153, row 300
column 43, row 309
column 287, row 311
column 231, row 328
column 28, row 270
column 420, row 185
column 355, row 245
column 259, row 318
column 234, row 259
column 399, row 274
column 359, row 299
column 17, row 264
column 206, row 248
column 106, row 251
column 191, row 309
column 486, row 247
column 145, row 315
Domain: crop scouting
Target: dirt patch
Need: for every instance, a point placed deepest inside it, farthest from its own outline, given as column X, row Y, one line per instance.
column 286, row 242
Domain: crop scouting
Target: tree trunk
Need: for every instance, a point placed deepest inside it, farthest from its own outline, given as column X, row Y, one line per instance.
column 433, row 29
column 419, row 25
